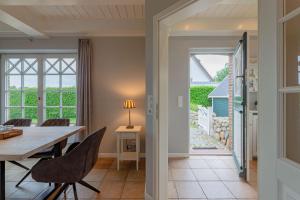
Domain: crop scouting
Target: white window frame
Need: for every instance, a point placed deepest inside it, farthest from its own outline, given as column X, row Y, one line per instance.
column 282, row 88
column 41, row 82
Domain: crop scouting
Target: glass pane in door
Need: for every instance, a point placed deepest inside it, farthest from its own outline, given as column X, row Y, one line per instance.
column 292, row 52
column 291, row 5
column 292, row 127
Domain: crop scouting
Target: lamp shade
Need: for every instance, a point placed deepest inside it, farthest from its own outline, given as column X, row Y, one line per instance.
column 129, row 104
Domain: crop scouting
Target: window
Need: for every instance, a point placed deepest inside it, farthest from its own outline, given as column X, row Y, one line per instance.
column 40, row 87
column 290, row 81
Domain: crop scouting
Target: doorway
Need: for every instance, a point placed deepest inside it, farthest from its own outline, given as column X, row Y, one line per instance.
column 163, row 62
column 209, row 110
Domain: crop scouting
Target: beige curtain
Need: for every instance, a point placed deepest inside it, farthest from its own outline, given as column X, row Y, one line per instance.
column 84, row 96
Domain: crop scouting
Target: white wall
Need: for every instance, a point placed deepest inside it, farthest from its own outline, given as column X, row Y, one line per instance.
column 197, row 74
column 179, row 85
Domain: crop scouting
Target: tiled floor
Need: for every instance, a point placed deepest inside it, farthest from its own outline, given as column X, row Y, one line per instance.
column 124, row 184
column 209, row 177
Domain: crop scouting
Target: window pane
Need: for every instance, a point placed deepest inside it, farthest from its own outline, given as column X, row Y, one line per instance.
column 13, row 98
column 292, row 52
column 291, row 5
column 69, row 98
column 14, row 82
column 30, row 66
column 292, row 110
column 31, row 113
column 14, row 66
column 70, row 113
column 31, row 97
column 30, row 81
column 52, row 97
column 52, row 65
column 52, row 81
column 13, row 113
column 52, row 113
column 68, row 81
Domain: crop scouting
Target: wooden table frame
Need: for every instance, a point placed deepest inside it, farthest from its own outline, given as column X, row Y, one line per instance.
column 46, row 137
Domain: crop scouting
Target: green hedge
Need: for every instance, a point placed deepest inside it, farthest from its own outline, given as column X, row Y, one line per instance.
column 199, row 96
column 52, row 99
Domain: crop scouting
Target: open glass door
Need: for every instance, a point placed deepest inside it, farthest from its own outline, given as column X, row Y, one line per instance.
column 239, row 104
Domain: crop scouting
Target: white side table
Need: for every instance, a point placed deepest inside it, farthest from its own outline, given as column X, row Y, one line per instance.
column 128, row 134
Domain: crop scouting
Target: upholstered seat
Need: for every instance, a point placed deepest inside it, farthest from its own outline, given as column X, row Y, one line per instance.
column 48, row 153
column 73, row 166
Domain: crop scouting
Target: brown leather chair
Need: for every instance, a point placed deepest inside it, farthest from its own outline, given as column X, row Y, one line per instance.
column 72, row 167
column 48, row 153
column 18, row 123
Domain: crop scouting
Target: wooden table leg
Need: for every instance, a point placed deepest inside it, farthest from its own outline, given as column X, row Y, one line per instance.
column 2, row 180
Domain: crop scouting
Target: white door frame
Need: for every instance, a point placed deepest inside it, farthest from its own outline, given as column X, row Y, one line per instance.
column 161, row 24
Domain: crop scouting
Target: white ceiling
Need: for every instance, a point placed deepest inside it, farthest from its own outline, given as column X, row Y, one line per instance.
column 48, row 18
column 226, row 17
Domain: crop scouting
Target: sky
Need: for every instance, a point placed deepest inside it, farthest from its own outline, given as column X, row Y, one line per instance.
column 213, row 63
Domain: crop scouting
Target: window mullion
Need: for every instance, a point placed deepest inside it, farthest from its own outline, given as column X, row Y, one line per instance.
column 40, row 89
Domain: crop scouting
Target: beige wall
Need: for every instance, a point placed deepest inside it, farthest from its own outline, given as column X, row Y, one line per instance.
column 118, row 73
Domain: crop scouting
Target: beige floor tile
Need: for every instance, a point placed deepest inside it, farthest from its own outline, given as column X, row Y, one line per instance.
column 182, row 175
column 217, row 164
column 172, row 192
column 179, row 163
column 189, row 190
column 215, row 190
column 96, row 175
column 29, row 190
column 111, row 189
column 205, row 175
column 134, row 175
column 115, row 175
column 134, row 189
column 241, row 189
column 198, row 164
column 170, row 177
column 228, row 174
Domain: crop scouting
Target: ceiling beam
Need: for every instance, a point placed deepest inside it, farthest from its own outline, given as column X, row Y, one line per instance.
column 69, row 2
column 20, row 26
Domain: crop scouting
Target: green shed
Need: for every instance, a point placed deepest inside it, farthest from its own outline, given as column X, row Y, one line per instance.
column 219, row 98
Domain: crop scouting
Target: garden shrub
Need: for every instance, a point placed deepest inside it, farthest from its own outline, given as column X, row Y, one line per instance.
column 52, row 99
column 199, row 96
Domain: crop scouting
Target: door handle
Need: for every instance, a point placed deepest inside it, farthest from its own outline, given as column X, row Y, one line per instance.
column 241, row 112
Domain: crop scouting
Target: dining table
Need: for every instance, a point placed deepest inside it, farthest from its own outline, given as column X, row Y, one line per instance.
column 32, row 141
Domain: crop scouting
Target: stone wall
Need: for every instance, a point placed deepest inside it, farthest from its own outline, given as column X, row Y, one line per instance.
column 222, row 129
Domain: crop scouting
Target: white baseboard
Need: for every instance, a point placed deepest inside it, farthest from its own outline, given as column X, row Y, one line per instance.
column 148, row 197
column 179, row 155
column 114, row 155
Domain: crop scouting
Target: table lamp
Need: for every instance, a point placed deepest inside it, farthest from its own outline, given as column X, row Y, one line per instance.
column 129, row 104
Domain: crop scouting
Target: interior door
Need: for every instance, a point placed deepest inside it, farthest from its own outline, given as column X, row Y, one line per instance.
column 239, row 104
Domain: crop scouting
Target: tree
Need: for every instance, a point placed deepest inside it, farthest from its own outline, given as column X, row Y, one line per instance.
column 221, row 74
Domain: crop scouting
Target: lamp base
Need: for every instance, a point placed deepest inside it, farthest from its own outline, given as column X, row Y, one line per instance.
column 130, row 127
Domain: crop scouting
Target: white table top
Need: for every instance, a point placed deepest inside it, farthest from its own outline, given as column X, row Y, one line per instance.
column 123, row 129
column 34, row 140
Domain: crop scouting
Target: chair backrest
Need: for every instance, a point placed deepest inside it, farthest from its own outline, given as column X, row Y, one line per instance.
column 56, row 122
column 74, row 165
column 87, row 151
column 18, row 122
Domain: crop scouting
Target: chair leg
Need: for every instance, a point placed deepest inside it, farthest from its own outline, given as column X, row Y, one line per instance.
column 75, row 191
column 26, row 175
column 19, row 165
column 85, row 184
column 61, row 190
